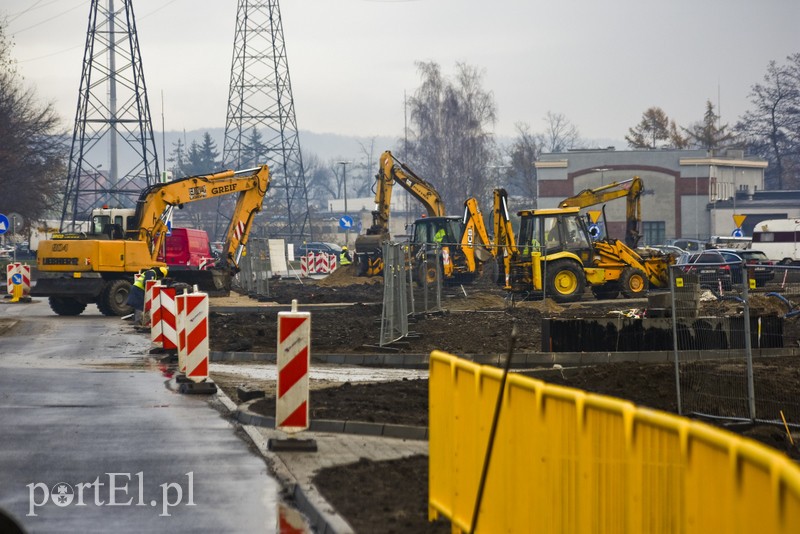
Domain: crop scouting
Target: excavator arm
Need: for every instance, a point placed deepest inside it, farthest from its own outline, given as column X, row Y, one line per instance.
column 157, row 202
column 369, row 246
column 474, row 229
column 630, row 189
column 504, row 239
column 392, row 171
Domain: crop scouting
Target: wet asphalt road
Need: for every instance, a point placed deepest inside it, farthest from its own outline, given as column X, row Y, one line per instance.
column 92, row 440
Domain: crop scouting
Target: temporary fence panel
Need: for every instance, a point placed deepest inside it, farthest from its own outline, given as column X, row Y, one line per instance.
column 425, row 282
column 728, row 331
column 394, row 313
column 567, row 461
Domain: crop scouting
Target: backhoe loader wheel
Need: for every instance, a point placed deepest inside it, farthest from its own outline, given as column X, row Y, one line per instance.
column 565, row 281
column 112, row 300
column 66, row 306
column 427, row 274
column 634, row 283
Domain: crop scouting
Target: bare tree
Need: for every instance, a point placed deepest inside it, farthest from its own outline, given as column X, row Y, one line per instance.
column 520, row 174
column 319, row 180
column 560, row 134
column 772, row 127
column 32, row 149
column 450, row 144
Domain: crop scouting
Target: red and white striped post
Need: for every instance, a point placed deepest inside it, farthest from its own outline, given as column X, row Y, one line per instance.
column 294, row 357
column 196, row 327
column 169, row 312
column 156, row 338
column 180, row 323
column 148, row 301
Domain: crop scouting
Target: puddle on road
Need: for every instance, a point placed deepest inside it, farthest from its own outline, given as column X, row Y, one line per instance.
column 329, row 372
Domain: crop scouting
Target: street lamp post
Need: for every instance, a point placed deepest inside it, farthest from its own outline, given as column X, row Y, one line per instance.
column 344, row 180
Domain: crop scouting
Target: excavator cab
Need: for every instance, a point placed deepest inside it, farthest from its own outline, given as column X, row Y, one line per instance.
column 440, row 230
column 551, row 232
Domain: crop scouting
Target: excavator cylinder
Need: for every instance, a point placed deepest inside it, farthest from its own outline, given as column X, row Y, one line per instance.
column 536, row 260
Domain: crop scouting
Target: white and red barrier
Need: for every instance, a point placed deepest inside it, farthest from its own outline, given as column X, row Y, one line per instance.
column 196, row 336
column 163, row 311
column 180, row 323
column 148, row 299
column 24, row 272
column 320, row 263
column 294, row 357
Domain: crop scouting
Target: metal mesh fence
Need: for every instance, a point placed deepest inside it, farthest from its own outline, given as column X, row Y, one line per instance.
column 394, row 315
column 425, row 278
column 731, row 323
column 253, row 278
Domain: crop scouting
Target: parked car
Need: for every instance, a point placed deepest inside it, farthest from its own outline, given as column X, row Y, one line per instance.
column 710, row 267
column 689, row 245
column 759, row 267
column 318, row 246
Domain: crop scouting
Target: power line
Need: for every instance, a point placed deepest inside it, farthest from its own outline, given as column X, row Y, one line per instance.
column 49, row 19
column 15, row 16
column 65, row 50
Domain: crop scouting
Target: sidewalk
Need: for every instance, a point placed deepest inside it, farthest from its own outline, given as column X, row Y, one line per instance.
column 295, row 470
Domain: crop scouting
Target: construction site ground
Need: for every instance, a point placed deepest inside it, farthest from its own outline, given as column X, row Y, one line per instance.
column 391, row 496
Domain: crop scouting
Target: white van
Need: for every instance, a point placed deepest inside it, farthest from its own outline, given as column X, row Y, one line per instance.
column 777, row 238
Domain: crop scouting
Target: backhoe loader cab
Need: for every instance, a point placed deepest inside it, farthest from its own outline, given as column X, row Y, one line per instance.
column 553, row 231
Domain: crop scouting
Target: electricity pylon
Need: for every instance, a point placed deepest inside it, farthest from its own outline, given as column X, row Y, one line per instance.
column 261, row 126
column 112, row 123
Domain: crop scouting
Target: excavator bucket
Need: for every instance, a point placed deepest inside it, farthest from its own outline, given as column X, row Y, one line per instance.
column 215, row 282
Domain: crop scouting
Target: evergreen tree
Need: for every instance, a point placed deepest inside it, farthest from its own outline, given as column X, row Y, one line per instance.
column 709, row 133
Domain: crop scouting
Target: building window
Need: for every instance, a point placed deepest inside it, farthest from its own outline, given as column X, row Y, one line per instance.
column 654, row 232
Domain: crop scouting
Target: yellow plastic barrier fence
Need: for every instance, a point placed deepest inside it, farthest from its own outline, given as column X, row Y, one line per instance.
column 569, row 461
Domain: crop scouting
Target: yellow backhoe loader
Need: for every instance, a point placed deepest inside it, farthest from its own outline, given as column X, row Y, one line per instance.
column 557, row 254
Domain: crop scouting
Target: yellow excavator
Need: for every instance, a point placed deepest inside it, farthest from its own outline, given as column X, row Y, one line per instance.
column 559, row 254
column 464, row 241
column 78, row 269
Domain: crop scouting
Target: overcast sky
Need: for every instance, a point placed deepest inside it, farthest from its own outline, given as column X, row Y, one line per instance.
column 601, row 64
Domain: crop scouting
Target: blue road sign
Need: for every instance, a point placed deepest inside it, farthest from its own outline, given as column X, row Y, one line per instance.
column 346, row 222
column 4, row 224
column 737, row 232
column 169, row 227
column 594, row 231
column 16, row 279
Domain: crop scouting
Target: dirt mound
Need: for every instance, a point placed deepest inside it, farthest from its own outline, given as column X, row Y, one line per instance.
column 346, row 276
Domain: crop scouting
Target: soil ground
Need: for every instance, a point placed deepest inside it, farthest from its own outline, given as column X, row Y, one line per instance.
column 392, row 496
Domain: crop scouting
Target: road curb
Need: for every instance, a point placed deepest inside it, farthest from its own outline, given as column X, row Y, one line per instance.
column 245, row 416
column 323, row 517
column 522, row 360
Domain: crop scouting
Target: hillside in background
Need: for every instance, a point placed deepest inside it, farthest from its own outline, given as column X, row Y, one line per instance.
column 325, row 146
